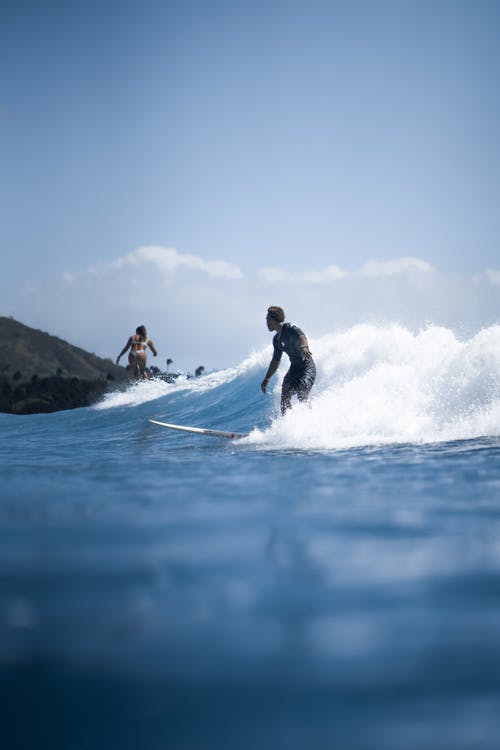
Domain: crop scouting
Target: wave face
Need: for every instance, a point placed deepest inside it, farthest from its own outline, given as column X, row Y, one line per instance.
column 375, row 386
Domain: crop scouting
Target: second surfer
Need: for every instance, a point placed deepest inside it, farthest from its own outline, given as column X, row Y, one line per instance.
column 137, row 344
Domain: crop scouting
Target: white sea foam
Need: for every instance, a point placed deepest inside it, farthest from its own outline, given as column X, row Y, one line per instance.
column 135, row 394
column 375, row 385
column 150, row 390
column 379, row 385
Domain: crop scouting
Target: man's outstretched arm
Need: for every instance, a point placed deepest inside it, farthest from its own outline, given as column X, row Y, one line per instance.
column 273, row 366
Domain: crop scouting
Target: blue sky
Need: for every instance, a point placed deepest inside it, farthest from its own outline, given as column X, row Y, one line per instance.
column 282, row 134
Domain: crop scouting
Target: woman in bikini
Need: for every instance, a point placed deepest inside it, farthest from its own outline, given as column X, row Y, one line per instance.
column 137, row 355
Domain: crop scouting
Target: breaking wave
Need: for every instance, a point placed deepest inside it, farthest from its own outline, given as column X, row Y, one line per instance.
column 375, row 385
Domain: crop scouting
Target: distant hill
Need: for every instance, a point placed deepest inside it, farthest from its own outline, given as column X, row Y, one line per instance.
column 25, row 352
column 42, row 373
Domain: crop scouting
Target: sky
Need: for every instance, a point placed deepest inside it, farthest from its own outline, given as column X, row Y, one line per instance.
column 184, row 164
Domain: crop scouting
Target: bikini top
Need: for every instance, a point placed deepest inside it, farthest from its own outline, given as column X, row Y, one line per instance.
column 139, row 344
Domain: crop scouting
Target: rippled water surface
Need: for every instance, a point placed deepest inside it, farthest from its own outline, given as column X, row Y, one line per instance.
column 333, row 581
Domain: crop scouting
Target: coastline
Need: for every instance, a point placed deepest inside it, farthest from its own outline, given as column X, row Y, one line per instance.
column 49, row 394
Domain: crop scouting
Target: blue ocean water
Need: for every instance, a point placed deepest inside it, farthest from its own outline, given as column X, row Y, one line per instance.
column 331, row 581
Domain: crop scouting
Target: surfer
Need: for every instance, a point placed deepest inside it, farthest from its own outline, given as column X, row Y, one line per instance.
column 290, row 339
column 137, row 344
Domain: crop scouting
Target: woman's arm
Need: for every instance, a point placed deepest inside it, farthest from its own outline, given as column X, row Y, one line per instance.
column 152, row 347
column 127, row 346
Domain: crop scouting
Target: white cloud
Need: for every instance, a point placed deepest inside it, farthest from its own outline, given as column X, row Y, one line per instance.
column 333, row 273
column 493, row 276
column 167, row 261
column 394, row 267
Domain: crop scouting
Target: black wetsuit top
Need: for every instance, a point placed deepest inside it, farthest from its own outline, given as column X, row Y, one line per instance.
column 302, row 372
column 289, row 341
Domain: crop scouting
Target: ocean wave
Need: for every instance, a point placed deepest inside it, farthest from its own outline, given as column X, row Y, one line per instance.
column 375, row 385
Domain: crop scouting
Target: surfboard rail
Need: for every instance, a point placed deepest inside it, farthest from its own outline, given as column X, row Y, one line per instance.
column 201, row 430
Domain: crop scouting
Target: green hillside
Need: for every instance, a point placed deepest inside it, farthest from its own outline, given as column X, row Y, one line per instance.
column 25, row 352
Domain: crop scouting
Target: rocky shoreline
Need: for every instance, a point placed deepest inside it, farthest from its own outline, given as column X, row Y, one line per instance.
column 43, row 395
column 49, row 394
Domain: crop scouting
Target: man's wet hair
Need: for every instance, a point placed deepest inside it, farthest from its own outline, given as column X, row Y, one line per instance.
column 276, row 313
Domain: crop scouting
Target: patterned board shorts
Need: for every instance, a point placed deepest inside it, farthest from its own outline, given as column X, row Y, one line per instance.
column 300, row 378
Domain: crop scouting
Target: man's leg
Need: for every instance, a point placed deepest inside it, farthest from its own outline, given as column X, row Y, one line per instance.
column 286, row 396
column 306, row 382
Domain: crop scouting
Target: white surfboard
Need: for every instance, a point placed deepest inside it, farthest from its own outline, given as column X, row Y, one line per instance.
column 202, row 430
